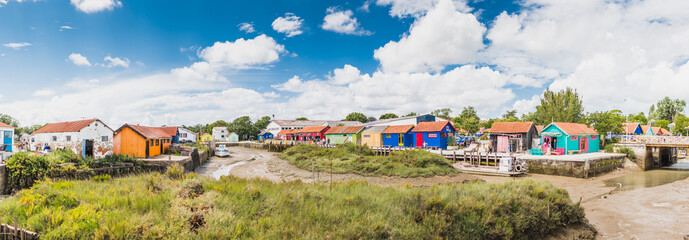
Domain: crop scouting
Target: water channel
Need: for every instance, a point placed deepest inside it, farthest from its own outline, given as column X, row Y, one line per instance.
column 651, row 178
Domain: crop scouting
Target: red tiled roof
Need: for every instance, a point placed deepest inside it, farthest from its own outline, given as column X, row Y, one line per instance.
column 286, row 131
column 575, row 128
column 665, row 132
column 352, row 130
column 629, row 127
column 2, row 124
column 398, row 129
column 432, row 126
column 73, row 126
column 656, row 130
column 539, row 128
column 312, row 129
column 172, row 131
column 334, row 130
column 644, row 128
column 147, row 132
column 511, row 127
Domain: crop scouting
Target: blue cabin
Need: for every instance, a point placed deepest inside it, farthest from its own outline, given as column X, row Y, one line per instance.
column 632, row 129
column 265, row 135
column 567, row 138
column 398, row 136
column 433, row 134
column 6, row 137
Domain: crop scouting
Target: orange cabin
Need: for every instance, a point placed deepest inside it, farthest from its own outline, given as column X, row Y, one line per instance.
column 141, row 141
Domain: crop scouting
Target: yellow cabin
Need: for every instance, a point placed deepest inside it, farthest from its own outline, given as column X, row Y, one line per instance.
column 373, row 137
column 140, row 141
column 206, row 138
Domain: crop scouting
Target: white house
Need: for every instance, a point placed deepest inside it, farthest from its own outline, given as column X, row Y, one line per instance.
column 220, row 134
column 6, row 138
column 85, row 137
column 185, row 135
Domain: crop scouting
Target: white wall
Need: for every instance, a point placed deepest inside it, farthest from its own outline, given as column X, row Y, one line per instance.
column 411, row 121
column 220, row 134
column 190, row 136
column 94, row 131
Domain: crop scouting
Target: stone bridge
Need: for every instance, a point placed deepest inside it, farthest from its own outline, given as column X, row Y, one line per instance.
column 655, row 151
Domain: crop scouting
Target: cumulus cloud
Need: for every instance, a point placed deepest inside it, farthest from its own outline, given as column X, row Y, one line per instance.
column 246, row 27
column 115, row 62
column 44, row 93
column 79, row 60
column 416, row 8
column 444, row 36
column 94, row 6
column 244, row 54
column 342, row 22
column 17, row 46
column 290, row 25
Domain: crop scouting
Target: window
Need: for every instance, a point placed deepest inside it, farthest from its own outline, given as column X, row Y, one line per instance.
column 33, row 140
column 367, row 136
column 574, row 138
column 443, row 134
column 183, row 135
column 54, row 138
column 152, row 143
column 594, row 137
column 8, row 134
column 157, row 142
column 68, row 138
column 432, row 135
column 388, row 136
column 400, row 139
column 104, row 139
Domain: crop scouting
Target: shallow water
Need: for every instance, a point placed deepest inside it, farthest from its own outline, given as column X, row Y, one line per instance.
column 650, row 178
column 226, row 169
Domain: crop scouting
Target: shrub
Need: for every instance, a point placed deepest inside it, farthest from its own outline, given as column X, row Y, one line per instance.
column 24, row 170
column 175, row 172
column 191, row 188
column 610, row 148
column 101, row 178
column 628, row 151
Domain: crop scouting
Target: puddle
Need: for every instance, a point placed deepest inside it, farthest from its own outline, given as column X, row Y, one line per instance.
column 226, row 169
column 650, row 178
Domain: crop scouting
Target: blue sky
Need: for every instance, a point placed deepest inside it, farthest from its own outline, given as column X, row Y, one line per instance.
column 374, row 57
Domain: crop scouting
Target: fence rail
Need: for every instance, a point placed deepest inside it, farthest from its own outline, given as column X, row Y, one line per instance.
column 669, row 140
column 10, row 232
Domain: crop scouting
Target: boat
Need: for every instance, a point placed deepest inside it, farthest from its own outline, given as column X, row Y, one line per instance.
column 222, row 151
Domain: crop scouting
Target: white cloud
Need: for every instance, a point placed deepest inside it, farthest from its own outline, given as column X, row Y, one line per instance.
column 246, row 27
column 342, row 22
column 83, row 84
column 94, row 6
column 79, row 60
column 346, row 75
column 416, row 8
column 114, row 62
column 442, row 37
column 244, row 54
column 17, row 46
column 365, row 6
column 63, row 28
column 44, row 93
column 290, row 25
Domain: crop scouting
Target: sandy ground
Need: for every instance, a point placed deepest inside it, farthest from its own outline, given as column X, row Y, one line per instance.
column 660, row 212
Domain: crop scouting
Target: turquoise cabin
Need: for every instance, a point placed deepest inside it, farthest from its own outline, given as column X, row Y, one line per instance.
column 567, row 138
column 6, row 137
column 334, row 135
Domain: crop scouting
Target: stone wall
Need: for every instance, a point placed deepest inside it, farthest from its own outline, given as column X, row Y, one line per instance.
column 575, row 168
column 3, row 178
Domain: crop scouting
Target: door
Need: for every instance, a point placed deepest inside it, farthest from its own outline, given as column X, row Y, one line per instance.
column 419, row 139
column 161, row 146
column 148, row 147
column 584, row 144
column 87, row 148
column 7, row 140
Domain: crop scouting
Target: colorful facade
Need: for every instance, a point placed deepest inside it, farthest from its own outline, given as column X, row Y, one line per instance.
column 334, row 135
column 353, row 134
column 140, row 141
column 373, row 137
column 566, row 138
column 632, row 129
column 314, row 133
column 398, row 136
column 265, row 135
column 6, row 137
column 434, row 134
column 206, row 137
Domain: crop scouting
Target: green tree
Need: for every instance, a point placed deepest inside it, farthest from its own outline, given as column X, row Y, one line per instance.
column 681, row 124
column 372, row 119
column 302, row 119
column 219, row 123
column 9, row 120
column 510, row 114
column 638, row 118
column 563, row 106
column 667, row 109
column 529, row 117
column 662, row 124
column 28, row 130
column 488, row 124
column 469, row 120
column 607, row 122
column 443, row 113
column 263, row 122
column 243, row 127
column 411, row 114
column 388, row 116
column 356, row 116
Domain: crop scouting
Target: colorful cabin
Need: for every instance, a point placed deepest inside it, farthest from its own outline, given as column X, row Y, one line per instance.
column 6, row 137
column 313, row 133
column 172, row 131
column 206, row 137
column 334, row 135
column 568, row 138
column 232, row 137
column 433, row 134
column 398, row 136
column 265, row 135
column 648, row 130
column 140, row 141
column 373, row 137
column 287, row 135
column 353, row 134
column 632, row 129
column 512, row 136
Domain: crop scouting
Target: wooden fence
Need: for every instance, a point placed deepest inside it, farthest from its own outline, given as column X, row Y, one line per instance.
column 9, row 232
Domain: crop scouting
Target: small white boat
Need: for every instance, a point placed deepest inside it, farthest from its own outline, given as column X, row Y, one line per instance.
column 222, row 151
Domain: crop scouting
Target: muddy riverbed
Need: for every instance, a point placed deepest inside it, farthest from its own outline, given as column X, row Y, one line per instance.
column 642, row 212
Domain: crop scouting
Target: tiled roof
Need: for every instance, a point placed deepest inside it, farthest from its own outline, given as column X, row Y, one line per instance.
column 343, row 123
column 431, row 126
column 334, row 130
column 2, row 124
column 299, row 123
column 286, row 132
column 398, row 129
column 263, row 132
column 376, row 129
column 539, row 128
column 172, row 131
column 665, row 132
column 147, row 132
column 575, row 128
column 219, row 128
column 312, row 129
column 645, row 128
column 511, row 127
column 656, row 130
column 352, row 130
column 73, row 126
column 629, row 127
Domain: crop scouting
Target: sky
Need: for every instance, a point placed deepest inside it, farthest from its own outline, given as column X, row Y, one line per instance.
column 188, row 62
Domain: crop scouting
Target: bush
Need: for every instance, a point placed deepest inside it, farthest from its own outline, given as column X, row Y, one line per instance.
column 102, row 178
column 610, row 148
column 24, row 170
column 628, row 151
column 175, row 172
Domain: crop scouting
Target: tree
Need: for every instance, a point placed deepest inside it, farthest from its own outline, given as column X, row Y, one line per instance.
column 9, row 120
column 219, row 123
column 469, row 121
column 372, row 119
column 681, row 123
column 301, row 119
column 488, row 124
column 28, row 130
column 356, row 116
column 667, row 109
column 388, row 116
column 607, row 122
column 411, row 114
column 662, row 124
column 443, row 113
column 510, row 114
column 243, row 127
column 638, row 118
column 563, row 106
column 529, row 117
column 262, row 123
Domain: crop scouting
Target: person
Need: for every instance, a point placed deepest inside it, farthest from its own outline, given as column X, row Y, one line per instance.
column 425, row 145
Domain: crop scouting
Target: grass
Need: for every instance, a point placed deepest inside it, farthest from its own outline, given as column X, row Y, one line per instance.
column 351, row 158
column 153, row 206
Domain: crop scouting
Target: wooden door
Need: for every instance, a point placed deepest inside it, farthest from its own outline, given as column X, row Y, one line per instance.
column 419, row 139
column 148, row 147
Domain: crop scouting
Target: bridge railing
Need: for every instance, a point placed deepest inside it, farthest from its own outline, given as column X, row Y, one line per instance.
column 656, row 139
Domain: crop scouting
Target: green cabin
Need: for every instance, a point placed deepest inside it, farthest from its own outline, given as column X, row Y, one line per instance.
column 344, row 134
column 569, row 138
